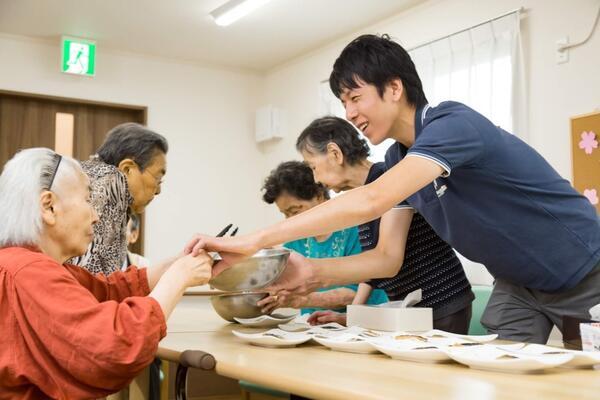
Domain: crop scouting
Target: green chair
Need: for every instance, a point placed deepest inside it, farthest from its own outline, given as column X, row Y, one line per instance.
column 482, row 295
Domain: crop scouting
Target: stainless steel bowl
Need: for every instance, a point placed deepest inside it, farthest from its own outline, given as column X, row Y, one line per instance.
column 241, row 305
column 256, row 272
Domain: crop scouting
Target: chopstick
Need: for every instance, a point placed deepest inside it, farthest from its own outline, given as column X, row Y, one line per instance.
column 224, row 230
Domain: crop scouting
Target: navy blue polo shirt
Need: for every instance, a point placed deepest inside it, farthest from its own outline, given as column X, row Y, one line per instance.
column 499, row 202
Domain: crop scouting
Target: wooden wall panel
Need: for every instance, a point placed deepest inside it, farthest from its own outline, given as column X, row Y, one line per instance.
column 29, row 120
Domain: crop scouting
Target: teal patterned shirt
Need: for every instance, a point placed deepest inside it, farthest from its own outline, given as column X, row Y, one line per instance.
column 339, row 244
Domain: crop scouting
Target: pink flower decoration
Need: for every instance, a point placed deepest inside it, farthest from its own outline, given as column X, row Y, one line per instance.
column 588, row 142
column 591, row 195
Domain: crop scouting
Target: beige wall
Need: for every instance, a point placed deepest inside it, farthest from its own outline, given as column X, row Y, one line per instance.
column 214, row 166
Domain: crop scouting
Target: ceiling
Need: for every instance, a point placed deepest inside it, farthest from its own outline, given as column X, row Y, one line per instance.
column 182, row 29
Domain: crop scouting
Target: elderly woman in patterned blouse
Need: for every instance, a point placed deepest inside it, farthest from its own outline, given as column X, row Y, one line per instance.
column 66, row 333
column 125, row 175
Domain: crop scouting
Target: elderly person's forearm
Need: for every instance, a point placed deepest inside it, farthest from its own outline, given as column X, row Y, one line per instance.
column 155, row 272
column 186, row 271
column 335, row 298
column 167, row 292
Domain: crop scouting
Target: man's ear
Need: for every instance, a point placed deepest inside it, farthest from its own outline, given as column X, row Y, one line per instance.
column 397, row 88
column 127, row 165
column 334, row 151
column 47, row 202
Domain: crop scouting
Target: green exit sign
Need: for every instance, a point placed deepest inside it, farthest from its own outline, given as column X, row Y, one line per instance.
column 78, row 56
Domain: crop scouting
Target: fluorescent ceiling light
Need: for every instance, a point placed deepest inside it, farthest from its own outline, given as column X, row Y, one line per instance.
column 233, row 10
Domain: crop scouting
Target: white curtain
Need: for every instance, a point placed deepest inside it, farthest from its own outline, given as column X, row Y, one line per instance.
column 480, row 67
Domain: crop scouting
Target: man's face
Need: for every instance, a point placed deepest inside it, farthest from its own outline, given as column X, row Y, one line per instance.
column 372, row 114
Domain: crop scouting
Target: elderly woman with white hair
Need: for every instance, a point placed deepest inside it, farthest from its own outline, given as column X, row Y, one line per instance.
column 65, row 332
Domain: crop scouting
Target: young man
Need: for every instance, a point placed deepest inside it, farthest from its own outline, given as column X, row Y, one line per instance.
column 292, row 188
column 484, row 191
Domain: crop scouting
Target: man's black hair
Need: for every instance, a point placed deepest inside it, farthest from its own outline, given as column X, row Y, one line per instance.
column 376, row 60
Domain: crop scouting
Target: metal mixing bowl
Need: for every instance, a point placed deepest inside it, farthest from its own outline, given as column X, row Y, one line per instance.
column 256, row 272
column 241, row 305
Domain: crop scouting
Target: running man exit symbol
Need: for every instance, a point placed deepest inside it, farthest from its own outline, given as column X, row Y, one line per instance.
column 78, row 56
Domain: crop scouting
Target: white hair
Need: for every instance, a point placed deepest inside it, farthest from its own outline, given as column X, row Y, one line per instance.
column 23, row 179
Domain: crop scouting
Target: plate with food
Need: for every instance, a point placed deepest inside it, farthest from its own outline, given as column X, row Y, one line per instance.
column 266, row 321
column 410, row 347
column 505, row 358
column 294, row 326
column 273, row 338
column 348, row 342
column 471, row 338
column 581, row 359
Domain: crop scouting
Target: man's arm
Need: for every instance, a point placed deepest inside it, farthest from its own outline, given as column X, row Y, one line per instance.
column 356, row 206
column 349, row 209
column 303, row 274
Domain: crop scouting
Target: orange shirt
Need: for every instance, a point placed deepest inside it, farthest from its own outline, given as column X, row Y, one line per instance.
column 68, row 334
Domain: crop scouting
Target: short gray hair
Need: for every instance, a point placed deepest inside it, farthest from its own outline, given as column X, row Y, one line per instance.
column 23, row 178
column 131, row 140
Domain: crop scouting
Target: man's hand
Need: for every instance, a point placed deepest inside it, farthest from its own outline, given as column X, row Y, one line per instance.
column 297, row 278
column 324, row 317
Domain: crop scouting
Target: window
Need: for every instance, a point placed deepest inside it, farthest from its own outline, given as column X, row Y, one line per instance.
column 478, row 67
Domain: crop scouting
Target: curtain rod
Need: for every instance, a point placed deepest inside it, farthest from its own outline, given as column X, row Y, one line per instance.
column 520, row 9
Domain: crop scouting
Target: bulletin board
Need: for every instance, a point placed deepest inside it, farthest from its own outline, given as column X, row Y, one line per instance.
column 585, row 148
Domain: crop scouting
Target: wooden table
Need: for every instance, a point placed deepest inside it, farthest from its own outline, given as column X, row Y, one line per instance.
column 316, row 372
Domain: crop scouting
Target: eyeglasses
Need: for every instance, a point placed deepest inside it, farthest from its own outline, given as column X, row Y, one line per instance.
column 55, row 171
column 157, row 180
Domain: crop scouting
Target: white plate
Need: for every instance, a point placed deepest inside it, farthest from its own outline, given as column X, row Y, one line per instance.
column 429, row 351
column 265, row 321
column 294, row 327
column 581, row 359
column 304, row 327
column 420, row 353
column 350, row 343
column 273, row 338
column 497, row 358
column 473, row 338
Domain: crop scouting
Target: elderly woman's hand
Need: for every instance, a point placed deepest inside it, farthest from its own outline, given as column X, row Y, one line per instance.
column 280, row 300
column 327, row 316
column 196, row 270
